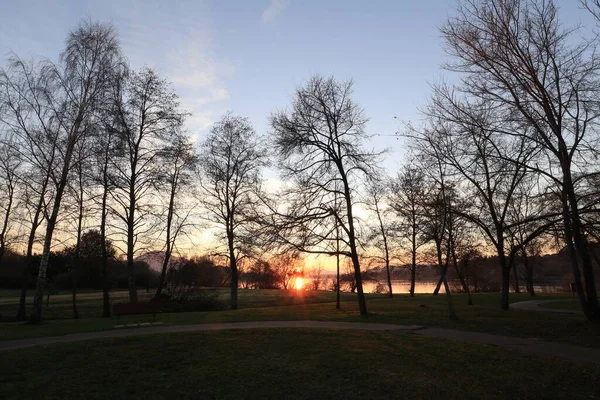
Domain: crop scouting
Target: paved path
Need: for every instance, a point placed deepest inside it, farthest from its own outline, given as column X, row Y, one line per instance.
column 534, row 305
column 560, row 350
column 116, row 333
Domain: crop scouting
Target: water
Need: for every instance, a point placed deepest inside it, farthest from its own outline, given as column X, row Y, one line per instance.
column 403, row 286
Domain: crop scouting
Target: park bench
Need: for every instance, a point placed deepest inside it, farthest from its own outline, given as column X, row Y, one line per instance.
column 148, row 307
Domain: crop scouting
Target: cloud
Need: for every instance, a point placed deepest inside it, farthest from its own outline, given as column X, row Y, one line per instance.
column 274, row 8
column 198, row 77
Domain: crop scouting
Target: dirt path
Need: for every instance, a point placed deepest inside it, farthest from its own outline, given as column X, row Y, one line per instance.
column 534, row 305
column 552, row 349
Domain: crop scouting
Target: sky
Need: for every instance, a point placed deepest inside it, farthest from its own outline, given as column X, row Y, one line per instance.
column 249, row 56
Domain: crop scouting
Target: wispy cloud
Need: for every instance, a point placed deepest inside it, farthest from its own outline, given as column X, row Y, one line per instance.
column 274, row 8
column 199, row 77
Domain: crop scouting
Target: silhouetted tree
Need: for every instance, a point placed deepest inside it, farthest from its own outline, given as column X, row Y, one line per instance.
column 231, row 159
column 79, row 80
column 515, row 55
column 319, row 143
column 406, row 197
column 377, row 194
column 146, row 115
column 179, row 161
column 10, row 165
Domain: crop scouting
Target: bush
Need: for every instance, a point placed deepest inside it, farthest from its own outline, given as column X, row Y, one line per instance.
column 200, row 300
column 380, row 288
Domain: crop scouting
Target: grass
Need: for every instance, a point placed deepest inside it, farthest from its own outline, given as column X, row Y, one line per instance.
column 262, row 305
column 288, row 363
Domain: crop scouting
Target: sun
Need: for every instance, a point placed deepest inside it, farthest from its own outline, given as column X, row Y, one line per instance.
column 299, row 283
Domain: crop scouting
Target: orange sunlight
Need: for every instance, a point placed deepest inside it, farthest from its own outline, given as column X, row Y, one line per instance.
column 299, row 283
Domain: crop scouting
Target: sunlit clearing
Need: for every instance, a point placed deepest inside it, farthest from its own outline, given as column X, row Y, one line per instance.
column 299, row 283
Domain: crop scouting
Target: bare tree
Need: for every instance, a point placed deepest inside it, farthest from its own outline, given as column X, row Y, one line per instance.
column 316, row 277
column 516, row 55
column 377, row 194
column 10, row 164
column 406, row 197
column 319, row 143
column 27, row 111
column 79, row 80
column 180, row 161
column 146, row 115
column 78, row 187
column 469, row 140
column 285, row 267
column 438, row 212
column 231, row 159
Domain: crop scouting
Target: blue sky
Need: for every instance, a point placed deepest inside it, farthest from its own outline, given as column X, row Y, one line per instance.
column 248, row 56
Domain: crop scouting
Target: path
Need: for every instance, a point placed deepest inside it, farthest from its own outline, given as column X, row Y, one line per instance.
column 534, row 305
column 553, row 349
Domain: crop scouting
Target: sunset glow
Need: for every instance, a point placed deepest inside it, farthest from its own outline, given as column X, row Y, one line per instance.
column 299, row 283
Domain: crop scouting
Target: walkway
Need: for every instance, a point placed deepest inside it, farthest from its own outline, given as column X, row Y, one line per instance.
column 534, row 305
column 561, row 350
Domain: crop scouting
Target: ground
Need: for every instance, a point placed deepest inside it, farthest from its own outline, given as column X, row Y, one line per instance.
column 280, row 363
column 300, row 363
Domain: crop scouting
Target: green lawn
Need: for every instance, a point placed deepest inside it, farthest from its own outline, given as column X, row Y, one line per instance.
column 261, row 305
column 285, row 363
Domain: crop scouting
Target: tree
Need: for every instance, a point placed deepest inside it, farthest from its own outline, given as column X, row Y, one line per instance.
column 146, row 115
column 315, row 275
column 377, row 194
column 439, row 214
column 407, row 196
column 28, row 111
column 468, row 138
column 179, row 159
column 319, row 144
column 285, row 266
column 231, row 158
column 79, row 183
column 106, row 149
column 10, row 164
column 516, row 55
column 80, row 80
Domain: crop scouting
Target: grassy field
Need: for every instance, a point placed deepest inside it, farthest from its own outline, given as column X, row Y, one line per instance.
column 283, row 363
column 261, row 305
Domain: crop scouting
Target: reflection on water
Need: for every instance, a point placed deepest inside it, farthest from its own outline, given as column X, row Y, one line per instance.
column 400, row 286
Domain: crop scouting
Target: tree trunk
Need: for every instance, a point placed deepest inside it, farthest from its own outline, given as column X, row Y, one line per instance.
column 105, row 291
column 76, row 263
column 516, row 277
column 36, row 311
column 528, row 274
column 438, row 248
column 386, row 251
column 362, row 303
column 439, row 282
column 505, row 287
column 35, row 223
column 451, row 311
column 5, row 223
column 337, row 269
column 168, row 247
column 74, row 298
column 578, row 249
column 469, row 299
column 234, row 270
column 413, row 267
